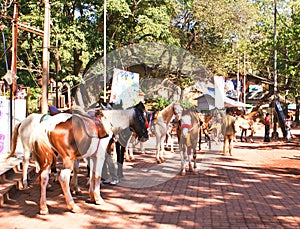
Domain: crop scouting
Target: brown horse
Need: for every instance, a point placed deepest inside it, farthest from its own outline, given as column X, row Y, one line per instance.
column 75, row 138
column 80, row 137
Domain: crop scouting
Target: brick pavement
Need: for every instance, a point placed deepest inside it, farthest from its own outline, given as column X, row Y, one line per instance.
column 229, row 192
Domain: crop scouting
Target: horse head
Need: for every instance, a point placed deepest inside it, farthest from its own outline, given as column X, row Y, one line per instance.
column 177, row 110
column 139, row 122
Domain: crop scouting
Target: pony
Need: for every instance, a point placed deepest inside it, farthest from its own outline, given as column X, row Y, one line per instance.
column 161, row 125
column 189, row 128
column 80, row 137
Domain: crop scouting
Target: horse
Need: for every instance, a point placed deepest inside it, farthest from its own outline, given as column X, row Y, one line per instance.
column 160, row 127
column 77, row 138
column 248, row 122
column 190, row 127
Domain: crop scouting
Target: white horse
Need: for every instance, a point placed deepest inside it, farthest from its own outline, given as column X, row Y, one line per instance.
column 161, row 126
column 190, row 126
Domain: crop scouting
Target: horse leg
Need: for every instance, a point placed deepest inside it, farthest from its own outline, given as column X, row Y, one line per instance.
column 25, row 165
column 208, row 139
column 225, row 144
column 131, row 156
column 182, row 159
column 129, row 149
column 158, row 146
column 74, row 180
column 230, row 140
column 172, row 143
column 97, row 170
column 189, row 150
column 199, row 142
column 161, row 157
column 64, row 180
column 44, row 182
column 142, row 148
column 195, row 159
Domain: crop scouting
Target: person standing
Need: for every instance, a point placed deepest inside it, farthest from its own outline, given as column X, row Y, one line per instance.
column 288, row 128
column 267, row 122
column 228, row 128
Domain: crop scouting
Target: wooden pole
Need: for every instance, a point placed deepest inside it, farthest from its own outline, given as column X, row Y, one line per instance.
column 104, row 53
column 13, row 86
column 46, row 45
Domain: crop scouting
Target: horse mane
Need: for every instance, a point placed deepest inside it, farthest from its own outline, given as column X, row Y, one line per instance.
column 78, row 110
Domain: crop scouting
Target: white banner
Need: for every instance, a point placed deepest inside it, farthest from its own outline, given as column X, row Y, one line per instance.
column 4, row 125
column 19, row 108
column 219, row 91
column 125, row 88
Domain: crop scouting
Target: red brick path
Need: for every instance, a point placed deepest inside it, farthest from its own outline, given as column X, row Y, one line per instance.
column 248, row 190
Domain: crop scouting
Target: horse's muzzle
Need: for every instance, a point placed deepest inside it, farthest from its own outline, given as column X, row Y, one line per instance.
column 144, row 139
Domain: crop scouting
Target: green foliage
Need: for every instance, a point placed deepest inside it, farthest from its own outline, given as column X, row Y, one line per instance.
column 33, row 100
column 186, row 104
column 220, row 33
column 158, row 103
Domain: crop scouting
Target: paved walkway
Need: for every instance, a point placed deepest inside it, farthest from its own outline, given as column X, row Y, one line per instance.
column 229, row 192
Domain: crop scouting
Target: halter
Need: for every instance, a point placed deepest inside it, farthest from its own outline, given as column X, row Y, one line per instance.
column 186, row 126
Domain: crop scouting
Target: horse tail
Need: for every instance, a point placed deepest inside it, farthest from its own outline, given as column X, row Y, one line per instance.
column 14, row 140
column 42, row 149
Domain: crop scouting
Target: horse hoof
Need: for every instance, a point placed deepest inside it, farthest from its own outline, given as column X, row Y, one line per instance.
column 132, row 159
column 78, row 192
column 158, row 161
column 99, row 202
column 44, row 211
column 162, row 160
column 143, row 152
column 76, row 209
column 127, row 160
column 183, row 173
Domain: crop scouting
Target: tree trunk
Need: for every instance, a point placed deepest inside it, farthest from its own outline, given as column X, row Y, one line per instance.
column 297, row 112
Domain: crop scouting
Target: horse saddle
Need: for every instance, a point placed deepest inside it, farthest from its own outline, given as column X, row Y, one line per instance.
column 90, row 125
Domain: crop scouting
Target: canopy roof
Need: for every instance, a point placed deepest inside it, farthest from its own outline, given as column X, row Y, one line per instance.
column 207, row 102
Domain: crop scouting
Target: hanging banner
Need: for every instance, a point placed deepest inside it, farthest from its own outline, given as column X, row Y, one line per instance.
column 125, row 88
column 219, row 91
column 19, row 107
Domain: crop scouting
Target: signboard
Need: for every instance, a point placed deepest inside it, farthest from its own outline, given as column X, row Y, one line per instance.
column 125, row 88
column 19, row 107
column 4, row 124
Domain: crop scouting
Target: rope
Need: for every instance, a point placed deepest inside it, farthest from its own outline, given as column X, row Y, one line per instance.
column 4, row 47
